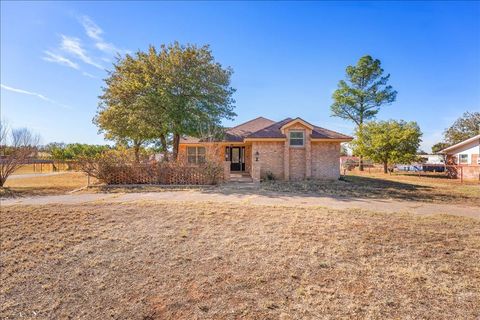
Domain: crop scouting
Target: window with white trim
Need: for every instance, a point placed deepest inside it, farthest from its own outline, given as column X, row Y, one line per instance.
column 196, row 155
column 297, row 138
column 463, row 158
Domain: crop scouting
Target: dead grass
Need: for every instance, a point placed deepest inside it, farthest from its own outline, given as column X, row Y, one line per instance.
column 165, row 261
column 381, row 186
column 43, row 185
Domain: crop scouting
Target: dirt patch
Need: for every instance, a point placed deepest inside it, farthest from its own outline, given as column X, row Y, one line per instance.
column 217, row 261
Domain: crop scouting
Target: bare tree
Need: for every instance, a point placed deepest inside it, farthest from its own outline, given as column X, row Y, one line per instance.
column 16, row 146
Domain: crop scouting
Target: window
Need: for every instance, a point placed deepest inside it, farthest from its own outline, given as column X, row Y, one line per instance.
column 196, row 154
column 296, row 138
column 463, row 158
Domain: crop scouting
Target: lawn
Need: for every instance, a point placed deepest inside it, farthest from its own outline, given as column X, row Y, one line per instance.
column 385, row 186
column 43, row 185
column 222, row 261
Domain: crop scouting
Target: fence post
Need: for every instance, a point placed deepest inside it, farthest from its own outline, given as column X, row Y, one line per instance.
column 461, row 174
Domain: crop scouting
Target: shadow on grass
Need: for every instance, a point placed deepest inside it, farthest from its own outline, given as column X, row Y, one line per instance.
column 19, row 192
column 349, row 188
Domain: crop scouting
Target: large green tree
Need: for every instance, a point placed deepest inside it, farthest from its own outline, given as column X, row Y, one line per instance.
column 388, row 142
column 164, row 93
column 360, row 96
column 467, row 126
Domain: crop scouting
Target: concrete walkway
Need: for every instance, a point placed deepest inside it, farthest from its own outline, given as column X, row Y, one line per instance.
column 33, row 175
column 255, row 197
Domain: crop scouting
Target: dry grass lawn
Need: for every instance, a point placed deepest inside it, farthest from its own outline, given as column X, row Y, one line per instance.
column 44, row 185
column 384, row 186
column 197, row 261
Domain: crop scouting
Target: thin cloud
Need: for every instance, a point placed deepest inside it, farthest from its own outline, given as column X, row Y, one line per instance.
column 73, row 46
column 30, row 93
column 92, row 29
column 55, row 58
column 95, row 33
column 86, row 74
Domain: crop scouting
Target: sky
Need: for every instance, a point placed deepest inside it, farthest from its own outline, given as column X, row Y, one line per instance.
column 287, row 57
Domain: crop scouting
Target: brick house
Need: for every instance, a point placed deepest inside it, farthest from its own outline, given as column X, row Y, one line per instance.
column 465, row 154
column 291, row 149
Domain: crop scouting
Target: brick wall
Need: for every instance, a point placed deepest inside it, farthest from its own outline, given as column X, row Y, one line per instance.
column 299, row 162
column 271, row 157
column 325, row 160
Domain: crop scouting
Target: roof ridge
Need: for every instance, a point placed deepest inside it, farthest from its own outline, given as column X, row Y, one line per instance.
column 241, row 124
column 270, row 125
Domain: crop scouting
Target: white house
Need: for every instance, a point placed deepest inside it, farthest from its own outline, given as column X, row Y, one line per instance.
column 464, row 153
column 465, row 156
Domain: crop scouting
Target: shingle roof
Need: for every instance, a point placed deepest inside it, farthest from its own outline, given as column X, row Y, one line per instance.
column 243, row 130
column 264, row 128
column 272, row 131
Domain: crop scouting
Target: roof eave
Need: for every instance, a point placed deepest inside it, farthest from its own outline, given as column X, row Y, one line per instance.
column 464, row 142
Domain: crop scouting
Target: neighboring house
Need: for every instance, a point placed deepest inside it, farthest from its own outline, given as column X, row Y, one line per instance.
column 432, row 158
column 465, row 155
column 291, row 149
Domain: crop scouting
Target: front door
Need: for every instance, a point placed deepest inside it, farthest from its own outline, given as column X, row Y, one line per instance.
column 237, row 158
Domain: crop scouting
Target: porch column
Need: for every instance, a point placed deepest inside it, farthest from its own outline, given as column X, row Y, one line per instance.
column 286, row 160
column 226, row 170
column 256, row 171
column 256, row 165
column 308, row 156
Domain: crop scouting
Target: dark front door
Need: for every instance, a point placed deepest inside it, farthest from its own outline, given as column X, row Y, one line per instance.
column 237, row 158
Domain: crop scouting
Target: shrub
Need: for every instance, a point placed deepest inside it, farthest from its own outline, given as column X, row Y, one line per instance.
column 269, row 176
column 120, row 167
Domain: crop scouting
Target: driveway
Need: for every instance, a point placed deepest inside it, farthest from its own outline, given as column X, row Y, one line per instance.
column 255, row 197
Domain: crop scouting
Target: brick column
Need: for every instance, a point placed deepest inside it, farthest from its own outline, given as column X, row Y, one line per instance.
column 308, row 155
column 226, row 170
column 256, row 171
column 286, row 160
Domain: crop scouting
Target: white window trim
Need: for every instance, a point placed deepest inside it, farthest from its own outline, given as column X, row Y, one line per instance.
column 303, row 139
column 468, row 158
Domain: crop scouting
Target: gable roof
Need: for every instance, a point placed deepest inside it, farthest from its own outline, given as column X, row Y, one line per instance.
column 274, row 131
column 243, row 130
column 237, row 133
column 462, row 143
column 263, row 128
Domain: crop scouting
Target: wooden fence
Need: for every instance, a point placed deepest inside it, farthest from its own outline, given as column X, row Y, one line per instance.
column 160, row 173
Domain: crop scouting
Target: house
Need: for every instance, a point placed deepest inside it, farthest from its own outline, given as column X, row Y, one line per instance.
column 431, row 158
column 291, row 149
column 465, row 155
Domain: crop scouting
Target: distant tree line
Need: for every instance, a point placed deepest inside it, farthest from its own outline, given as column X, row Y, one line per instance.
column 73, row 151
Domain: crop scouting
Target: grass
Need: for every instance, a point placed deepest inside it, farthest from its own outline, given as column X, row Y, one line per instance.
column 217, row 261
column 384, row 186
column 43, row 185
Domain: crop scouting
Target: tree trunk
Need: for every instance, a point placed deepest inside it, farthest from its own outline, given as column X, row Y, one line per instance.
column 176, row 142
column 385, row 167
column 360, row 136
column 136, row 150
column 163, row 142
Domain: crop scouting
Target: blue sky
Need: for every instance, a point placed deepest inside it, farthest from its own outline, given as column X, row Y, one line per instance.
column 287, row 56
